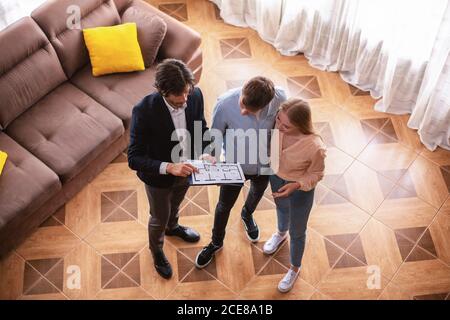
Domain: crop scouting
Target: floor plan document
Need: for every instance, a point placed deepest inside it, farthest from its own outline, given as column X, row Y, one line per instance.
column 219, row 173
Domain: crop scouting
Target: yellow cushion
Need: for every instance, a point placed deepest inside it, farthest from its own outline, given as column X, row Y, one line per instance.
column 114, row 49
column 3, row 156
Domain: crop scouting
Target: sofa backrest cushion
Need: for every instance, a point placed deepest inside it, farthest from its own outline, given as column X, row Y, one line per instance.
column 151, row 32
column 29, row 69
column 122, row 5
column 180, row 42
column 58, row 20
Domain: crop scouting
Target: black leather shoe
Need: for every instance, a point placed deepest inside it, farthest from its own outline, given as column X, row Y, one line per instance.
column 185, row 233
column 162, row 265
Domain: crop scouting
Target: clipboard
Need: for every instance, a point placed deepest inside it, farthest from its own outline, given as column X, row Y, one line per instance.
column 221, row 173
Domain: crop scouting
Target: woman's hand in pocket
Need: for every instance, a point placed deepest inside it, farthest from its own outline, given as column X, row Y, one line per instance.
column 286, row 190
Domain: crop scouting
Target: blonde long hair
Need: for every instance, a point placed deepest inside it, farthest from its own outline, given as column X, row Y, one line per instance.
column 299, row 114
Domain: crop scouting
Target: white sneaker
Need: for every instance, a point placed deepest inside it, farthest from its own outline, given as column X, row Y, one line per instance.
column 288, row 281
column 273, row 243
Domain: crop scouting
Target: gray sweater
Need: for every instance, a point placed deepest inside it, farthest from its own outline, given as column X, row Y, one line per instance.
column 250, row 145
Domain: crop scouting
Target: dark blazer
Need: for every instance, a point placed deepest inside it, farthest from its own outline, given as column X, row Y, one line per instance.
column 150, row 136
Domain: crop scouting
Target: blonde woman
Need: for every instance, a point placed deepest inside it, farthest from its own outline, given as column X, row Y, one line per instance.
column 301, row 166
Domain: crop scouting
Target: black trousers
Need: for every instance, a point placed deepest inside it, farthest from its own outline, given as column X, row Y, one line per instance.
column 227, row 199
column 164, row 210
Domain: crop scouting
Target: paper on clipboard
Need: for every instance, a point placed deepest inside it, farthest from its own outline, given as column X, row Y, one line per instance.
column 219, row 173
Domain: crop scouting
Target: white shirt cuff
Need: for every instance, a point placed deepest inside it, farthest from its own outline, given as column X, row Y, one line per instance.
column 163, row 168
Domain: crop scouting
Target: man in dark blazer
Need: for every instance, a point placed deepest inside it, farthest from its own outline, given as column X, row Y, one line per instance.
column 161, row 138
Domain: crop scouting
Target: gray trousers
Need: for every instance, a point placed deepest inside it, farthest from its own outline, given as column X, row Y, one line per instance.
column 164, row 210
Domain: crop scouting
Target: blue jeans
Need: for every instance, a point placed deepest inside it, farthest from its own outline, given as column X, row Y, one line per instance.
column 293, row 213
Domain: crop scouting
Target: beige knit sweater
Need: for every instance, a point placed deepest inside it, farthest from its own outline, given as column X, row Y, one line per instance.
column 303, row 161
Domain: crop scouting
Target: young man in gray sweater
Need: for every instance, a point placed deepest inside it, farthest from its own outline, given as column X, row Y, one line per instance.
column 244, row 117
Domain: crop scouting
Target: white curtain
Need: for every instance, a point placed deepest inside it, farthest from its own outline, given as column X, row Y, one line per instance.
column 9, row 12
column 431, row 114
column 13, row 10
column 385, row 47
column 263, row 16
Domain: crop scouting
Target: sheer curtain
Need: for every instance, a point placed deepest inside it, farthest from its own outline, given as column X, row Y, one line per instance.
column 9, row 12
column 431, row 114
column 385, row 47
column 13, row 10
